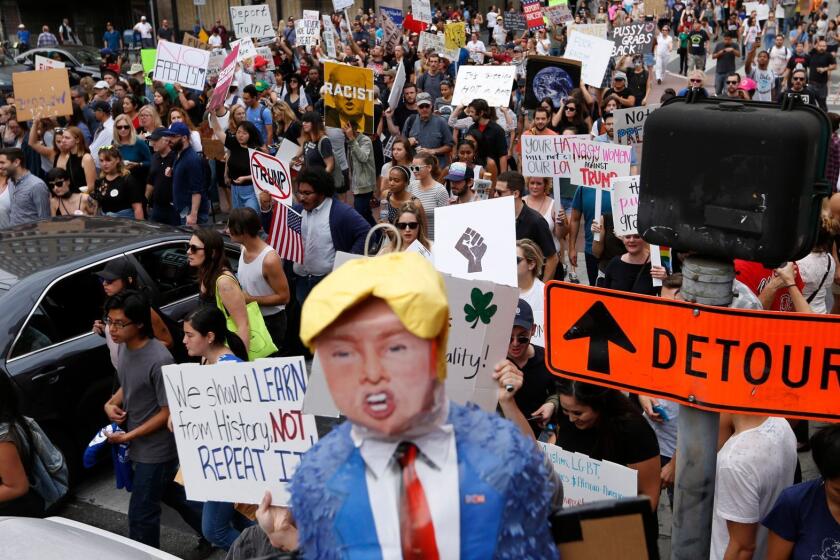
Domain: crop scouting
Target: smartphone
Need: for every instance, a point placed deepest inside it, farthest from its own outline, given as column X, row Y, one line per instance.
column 660, row 410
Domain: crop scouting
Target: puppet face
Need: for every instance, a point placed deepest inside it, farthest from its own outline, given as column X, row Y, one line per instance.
column 380, row 375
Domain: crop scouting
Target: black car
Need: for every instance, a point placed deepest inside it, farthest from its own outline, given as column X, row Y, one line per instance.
column 50, row 296
column 8, row 67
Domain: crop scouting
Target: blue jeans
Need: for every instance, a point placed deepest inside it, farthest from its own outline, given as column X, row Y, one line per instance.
column 304, row 285
column 361, row 202
column 165, row 215
column 124, row 213
column 221, row 524
column 154, row 483
column 244, row 195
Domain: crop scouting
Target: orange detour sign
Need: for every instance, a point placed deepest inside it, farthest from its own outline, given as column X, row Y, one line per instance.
column 716, row 358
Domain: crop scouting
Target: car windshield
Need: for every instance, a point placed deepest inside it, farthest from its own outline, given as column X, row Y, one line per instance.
column 5, row 60
column 87, row 56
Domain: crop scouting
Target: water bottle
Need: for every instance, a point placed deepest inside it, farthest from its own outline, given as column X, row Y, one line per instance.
column 383, row 210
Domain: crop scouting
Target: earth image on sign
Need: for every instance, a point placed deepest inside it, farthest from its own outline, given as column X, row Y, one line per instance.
column 554, row 83
column 272, row 176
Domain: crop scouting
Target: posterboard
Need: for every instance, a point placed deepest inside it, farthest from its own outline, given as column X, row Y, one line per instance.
column 348, row 96
column 147, row 58
column 477, row 241
column 341, row 5
column 42, row 93
column 594, row 164
column 625, row 204
column 455, row 35
column 265, row 52
column 44, row 63
column 307, row 32
column 629, row 124
column 329, row 36
column 391, row 34
column 272, row 175
column 594, row 54
column 226, row 75
column 397, row 87
column 586, row 480
column 247, row 50
column 421, row 10
column 216, row 62
column 395, row 14
column 654, row 7
column 179, row 64
column 750, row 7
column 514, row 21
column 195, row 42
column 491, row 83
column 542, row 156
column 213, row 149
column 594, row 29
column 239, row 428
column 550, row 77
column 558, row 14
column 533, row 14
column 252, row 21
column 633, row 38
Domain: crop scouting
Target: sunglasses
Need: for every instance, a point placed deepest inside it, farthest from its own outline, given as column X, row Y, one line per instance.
column 573, row 109
column 520, row 339
column 122, row 127
column 731, row 83
column 57, row 182
column 416, row 168
column 194, row 248
column 695, row 81
column 798, row 79
column 519, row 259
column 407, row 225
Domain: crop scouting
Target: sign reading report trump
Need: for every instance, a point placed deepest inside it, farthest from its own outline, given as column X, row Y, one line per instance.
column 348, row 97
column 586, row 480
column 491, row 83
column 252, row 21
column 239, row 427
column 42, row 93
column 714, row 358
column 179, row 64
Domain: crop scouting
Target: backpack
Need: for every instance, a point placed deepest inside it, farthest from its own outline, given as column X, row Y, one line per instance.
column 48, row 473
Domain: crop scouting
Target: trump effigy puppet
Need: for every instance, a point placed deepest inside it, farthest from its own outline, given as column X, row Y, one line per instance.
column 410, row 474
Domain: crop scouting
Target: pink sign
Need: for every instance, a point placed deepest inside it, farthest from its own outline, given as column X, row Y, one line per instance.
column 224, row 81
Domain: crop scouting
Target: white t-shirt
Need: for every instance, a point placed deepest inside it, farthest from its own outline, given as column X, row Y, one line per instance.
column 778, row 59
column 491, row 20
column 753, row 468
column 812, row 269
column 666, row 432
column 145, row 29
column 535, row 297
column 664, row 43
column 543, row 46
column 214, row 41
column 764, row 80
column 477, row 50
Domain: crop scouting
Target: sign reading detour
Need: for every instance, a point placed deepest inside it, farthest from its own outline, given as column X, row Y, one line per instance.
column 714, row 358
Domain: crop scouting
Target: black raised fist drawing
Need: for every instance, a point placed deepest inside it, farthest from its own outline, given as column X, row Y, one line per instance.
column 472, row 246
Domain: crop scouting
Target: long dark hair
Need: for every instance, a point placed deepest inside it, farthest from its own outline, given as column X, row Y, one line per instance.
column 613, row 408
column 254, row 139
column 215, row 260
column 207, row 319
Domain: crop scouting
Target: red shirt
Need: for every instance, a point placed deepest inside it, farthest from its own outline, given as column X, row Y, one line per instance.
column 755, row 276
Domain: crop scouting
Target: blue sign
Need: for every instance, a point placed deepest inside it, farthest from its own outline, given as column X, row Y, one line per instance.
column 393, row 13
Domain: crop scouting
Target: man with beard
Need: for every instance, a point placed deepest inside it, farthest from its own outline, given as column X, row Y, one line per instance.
column 820, row 66
column 460, row 178
column 188, row 193
column 539, row 126
column 312, row 87
column 798, row 90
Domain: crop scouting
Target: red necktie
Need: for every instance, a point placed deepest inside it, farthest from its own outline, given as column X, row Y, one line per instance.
column 416, row 529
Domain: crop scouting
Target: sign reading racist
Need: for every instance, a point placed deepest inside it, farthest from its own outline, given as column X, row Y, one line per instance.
column 348, row 97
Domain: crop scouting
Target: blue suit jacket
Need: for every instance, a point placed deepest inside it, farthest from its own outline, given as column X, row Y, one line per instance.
column 347, row 227
column 503, row 485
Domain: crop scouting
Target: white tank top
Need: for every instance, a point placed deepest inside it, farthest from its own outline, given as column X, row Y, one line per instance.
column 252, row 281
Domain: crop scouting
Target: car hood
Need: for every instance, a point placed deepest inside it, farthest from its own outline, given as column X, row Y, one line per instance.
column 7, row 71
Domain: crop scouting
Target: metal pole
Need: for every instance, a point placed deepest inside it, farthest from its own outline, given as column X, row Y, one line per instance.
column 708, row 282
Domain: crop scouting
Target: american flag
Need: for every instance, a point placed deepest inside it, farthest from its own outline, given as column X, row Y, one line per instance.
column 285, row 234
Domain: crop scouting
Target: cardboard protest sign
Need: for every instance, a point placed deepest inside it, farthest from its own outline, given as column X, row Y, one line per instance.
column 625, row 204
column 341, row 5
column 396, row 89
column 491, row 83
column 348, row 97
column 247, row 49
column 265, row 52
column 550, row 77
column 633, row 38
column 655, row 7
column 44, row 63
column 421, row 10
column 391, row 34
column 213, row 149
column 239, row 428
column 586, row 480
column 455, row 35
column 558, row 14
column 533, row 14
column 147, row 58
column 42, row 93
column 252, row 21
column 594, row 54
column 395, row 14
column 594, row 164
column 514, row 21
column 272, row 175
column 630, row 123
column 307, row 32
column 477, row 241
column 178, row 64
column 195, row 42
column 594, row 29
column 226, row 74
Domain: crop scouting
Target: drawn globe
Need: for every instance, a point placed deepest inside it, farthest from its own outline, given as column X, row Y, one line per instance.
column 554, row 83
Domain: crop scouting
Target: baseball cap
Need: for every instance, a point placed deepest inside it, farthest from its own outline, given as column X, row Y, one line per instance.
column 260, row 86
column 179, row 129
column 160, row 132
column 620, row 76
column 100, row 105
column 459, row 171
column 135, row 69
column 424, row 99
column 517, row 48
column 747, row 84
column 524, row 316
column 101, row 84
column 260, row 61
column 117, row 269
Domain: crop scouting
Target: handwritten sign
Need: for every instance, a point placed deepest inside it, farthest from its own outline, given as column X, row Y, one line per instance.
column 598, row 30
column 421, row 10
column 586, row 480
column 44, row 63
column 272, row 175
column 195, row 42
column 226, row 75
column 239, row 428
column 491, row 83
column 307, row 32
column 252, row 21
column 630, row 123
column 594, row 164
column 533, row 14
column 396, row 89
column 216, row 62
column 625, row 204
column 179, row 64
column 341, row 5
column 265, row 52
column 541, row 156
column 246, row 48
column 633, row 38
column 391, row 34
column 329, row 36
column 514, row 21
column 455, row 35
column 558, row 14
column 594, row 54
column 42, row 93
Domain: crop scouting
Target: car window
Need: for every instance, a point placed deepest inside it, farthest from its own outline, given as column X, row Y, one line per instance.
column 88, row 57
column 38, row 333
column 170, row 271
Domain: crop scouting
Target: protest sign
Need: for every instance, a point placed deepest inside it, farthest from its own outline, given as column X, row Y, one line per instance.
column 42, row 93
column 44, row 63
column 341, row 5
column 147, row 58
column 491, row 83
column 633, row 38
column 216, row 62
column 417, row 247
column 514, row 21
column 586, row 480
column 541, row 156
column 272, row 175
column 226, row 75
column 654, row 7
column 550, row 77
column 213, row 149
column 477, row 241
column 421, row 10
column 594, row 29
column 533, row 14
column 455, row 35
column 314, row 15
column 239, row 428
column 594, row 54
column 329, row 36
column 246, row 48
column 625, row 204
column 397, row 88
column 195, row 42
column 558, row 14
column 629, row 124
column 252, row 21
column 179, row 64
column 307, row 32
column 780, row 11
column 391, row 34
column 594, row 164
column 750, row 7
column 348, row 96
column 265, row 52
column 395, row 14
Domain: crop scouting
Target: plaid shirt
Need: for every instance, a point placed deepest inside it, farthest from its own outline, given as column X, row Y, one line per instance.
column 47, row 40
column 832, row 163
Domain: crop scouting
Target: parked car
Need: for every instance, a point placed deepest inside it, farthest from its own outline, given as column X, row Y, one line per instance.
column 80, row 61
column 50, row 296
column 9, row 66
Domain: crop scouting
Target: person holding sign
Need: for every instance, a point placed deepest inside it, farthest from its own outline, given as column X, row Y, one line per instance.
column 410, row 474
column 632, row 271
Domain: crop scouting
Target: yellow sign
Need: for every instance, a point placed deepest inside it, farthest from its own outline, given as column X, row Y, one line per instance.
column 455, row 35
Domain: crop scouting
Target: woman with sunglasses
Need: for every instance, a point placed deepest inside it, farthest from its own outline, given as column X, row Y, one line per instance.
column 573, row 114
column 411, row 223
column 64, row 202
column 696, row 82
column 295, row 97
column 529, row 269
column 135, row 152
column 431, row 193
column 69, row 152
column 116, row 192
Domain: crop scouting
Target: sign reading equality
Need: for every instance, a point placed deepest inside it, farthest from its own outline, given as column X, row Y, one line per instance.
column 714, row 358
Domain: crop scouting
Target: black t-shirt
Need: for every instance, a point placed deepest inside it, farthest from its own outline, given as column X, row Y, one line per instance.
column 624, row 94
column 807, row 96
column 314, row 153
column 238, row 164
column 628, row 277
column 197, row 112
column 118, row 194
column 626, row 441
column 401, row 114
column 161, row 184
column 726, row 61
column 796, row 59
column 492, row 143
column 819, row 60
column 537, row 385
column 530, row 225
column 697, row 42
column 165, row 34
column 293, row 132
column 637, row 84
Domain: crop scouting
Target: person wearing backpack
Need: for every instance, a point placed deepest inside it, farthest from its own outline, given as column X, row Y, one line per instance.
column 258, row 114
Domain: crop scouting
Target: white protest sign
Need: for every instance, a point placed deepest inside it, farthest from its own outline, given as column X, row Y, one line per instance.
column 625, row 204
column 329, row 36
column 491, row 83
column 417, row 247
column 239, row 427
column 780, row 11
column 216, row 61
column 763, row 12
column 593, row 29
column 397, row 87
column 340, row 5
column 246, row 48
column 307, row 32
column 312, row 14
column 586, row 480
column 594, row 54
column 750, row 7
column 44, row 63
column 541, row 156
column 629, row 124
column 594, row 164
column 252, row 21
column 179, row 64
column 272, row 175
column 265, row 52
column 421, row 10
column 477, row 240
